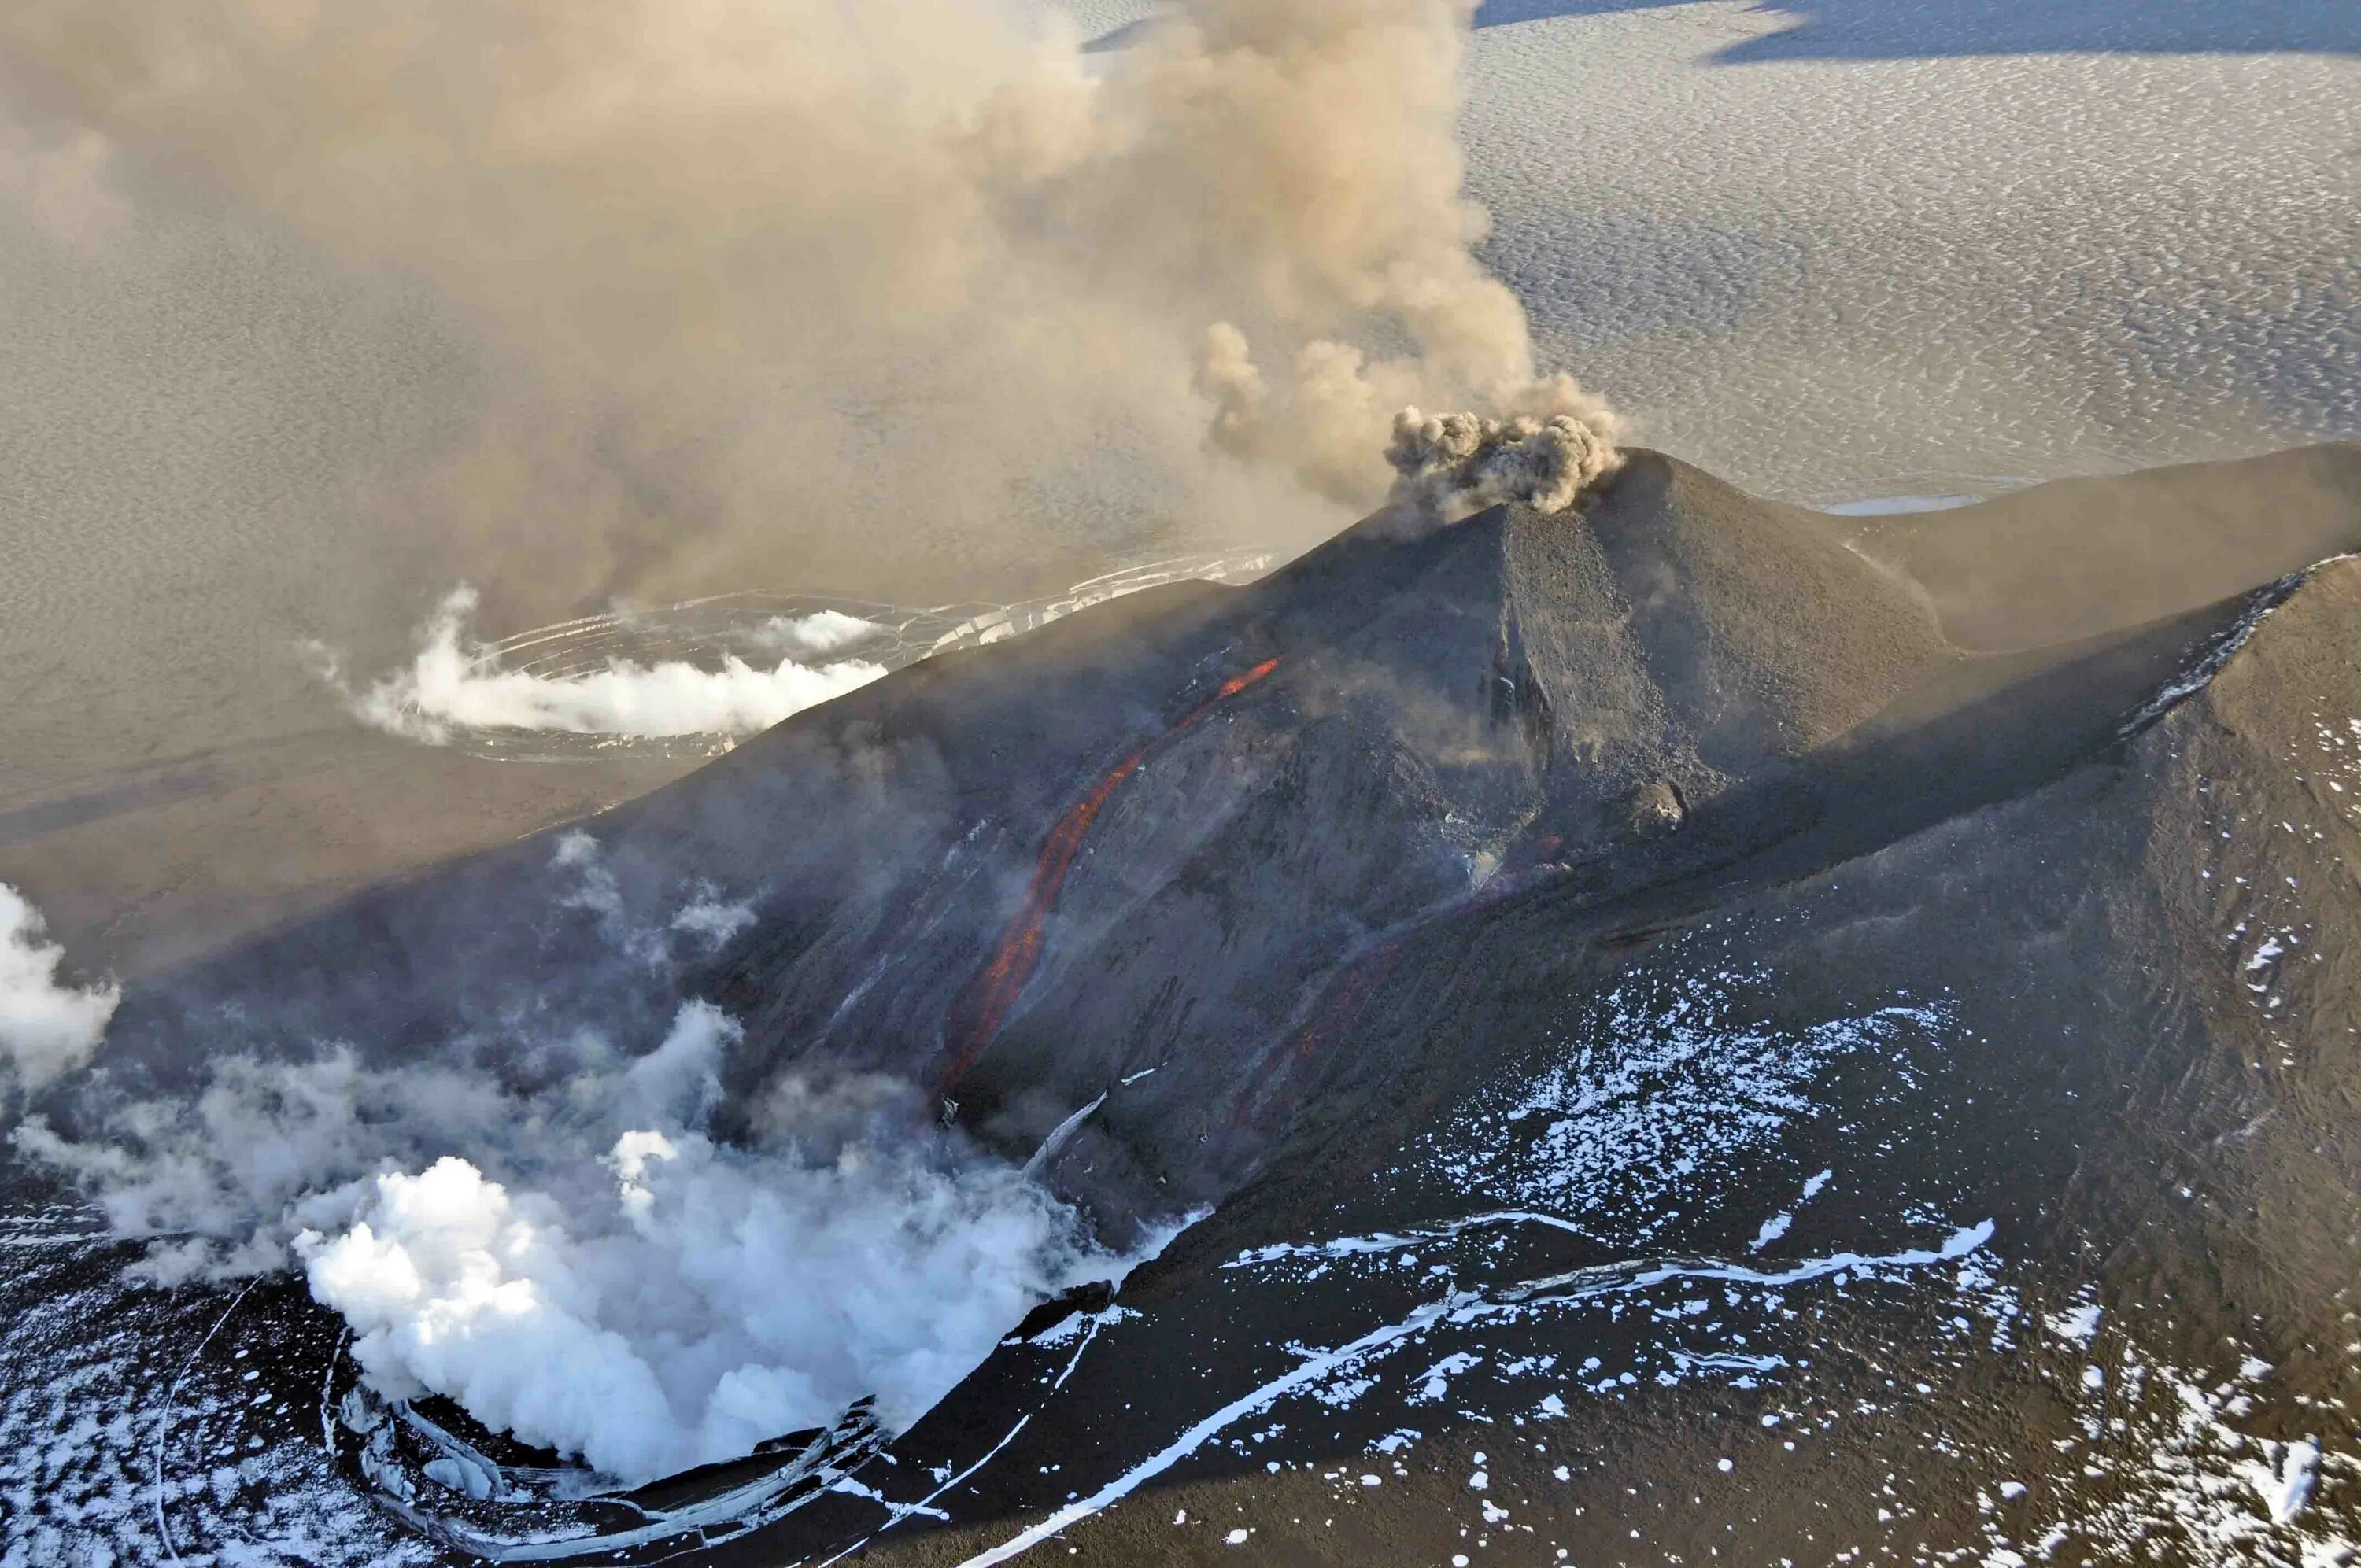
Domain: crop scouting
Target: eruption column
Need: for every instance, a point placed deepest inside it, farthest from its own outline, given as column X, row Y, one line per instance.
column 984, row 1003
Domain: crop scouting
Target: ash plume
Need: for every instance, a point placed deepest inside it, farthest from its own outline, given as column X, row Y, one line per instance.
column 1458, row 463
column 726, row 275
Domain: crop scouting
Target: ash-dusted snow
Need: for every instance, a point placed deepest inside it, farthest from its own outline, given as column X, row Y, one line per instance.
column 1658, row 1092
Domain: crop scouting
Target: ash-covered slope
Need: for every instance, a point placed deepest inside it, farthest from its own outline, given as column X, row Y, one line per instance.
column 1618, row 981
column 1986, row 1196
column 2081, row 556
column 1148, row 837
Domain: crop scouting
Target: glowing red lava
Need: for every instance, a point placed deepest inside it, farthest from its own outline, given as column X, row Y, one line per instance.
column 984, row 1003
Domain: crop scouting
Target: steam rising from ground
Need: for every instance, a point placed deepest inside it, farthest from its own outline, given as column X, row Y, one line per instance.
column 742, row 274
column 715, row 668
column 542, row 1224
column 47, row 1028
column 704, row 1300
column 452, row 683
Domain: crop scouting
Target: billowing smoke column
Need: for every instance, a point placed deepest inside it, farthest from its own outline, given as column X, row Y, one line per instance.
column 1455, row 464
column 801, row 284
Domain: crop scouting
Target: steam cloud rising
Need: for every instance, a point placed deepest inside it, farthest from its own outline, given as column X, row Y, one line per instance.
column 542, row 1224
column 449, row 684
column 47, row 1028
column 738, row 273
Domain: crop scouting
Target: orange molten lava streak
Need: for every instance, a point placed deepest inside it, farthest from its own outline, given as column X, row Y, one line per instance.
column 1232, row 687
column 983, row 1004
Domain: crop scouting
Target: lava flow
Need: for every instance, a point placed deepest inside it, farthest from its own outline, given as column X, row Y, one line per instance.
column 984, row 1003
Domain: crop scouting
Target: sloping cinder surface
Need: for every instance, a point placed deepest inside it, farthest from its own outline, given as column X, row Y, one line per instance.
column 1891, row 938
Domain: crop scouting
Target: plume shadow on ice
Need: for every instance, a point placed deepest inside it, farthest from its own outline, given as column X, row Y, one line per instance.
column 1867, row 30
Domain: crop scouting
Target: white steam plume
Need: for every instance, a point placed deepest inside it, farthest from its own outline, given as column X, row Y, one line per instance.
column 546, row 1230
column 823, row 631
column 741, row 273
column 61, row 181
column 705, row 1299
column 47, row 1028
column 451, row 683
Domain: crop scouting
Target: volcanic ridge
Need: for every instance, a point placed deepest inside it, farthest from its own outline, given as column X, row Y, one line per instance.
column 1675, row 1027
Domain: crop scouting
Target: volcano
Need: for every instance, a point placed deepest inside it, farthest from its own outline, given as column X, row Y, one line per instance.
column 1683, row 1029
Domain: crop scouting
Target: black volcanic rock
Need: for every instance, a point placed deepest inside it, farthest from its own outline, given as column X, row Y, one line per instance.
column 2107, row 1025
column 2081, row 556
column 1537, row 907
column 1490, row 694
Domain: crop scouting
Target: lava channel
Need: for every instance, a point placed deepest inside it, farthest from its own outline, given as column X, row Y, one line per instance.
column 983, row 1004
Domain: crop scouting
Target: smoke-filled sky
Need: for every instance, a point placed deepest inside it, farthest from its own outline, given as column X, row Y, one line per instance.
column 751, row 280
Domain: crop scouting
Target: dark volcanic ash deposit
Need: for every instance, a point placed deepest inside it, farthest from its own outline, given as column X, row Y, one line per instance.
column 1680, row 1029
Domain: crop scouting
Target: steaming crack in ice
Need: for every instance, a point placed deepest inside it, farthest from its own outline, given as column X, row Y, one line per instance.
column 449, row 687
column 697, row 677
